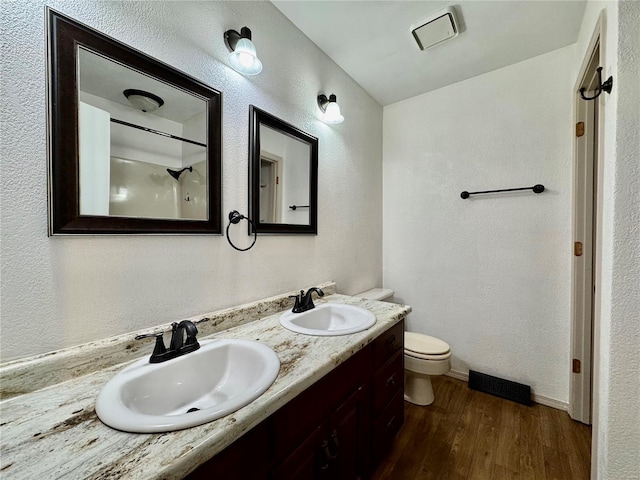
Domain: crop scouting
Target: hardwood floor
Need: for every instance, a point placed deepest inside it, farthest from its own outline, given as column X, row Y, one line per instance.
column 467, row 434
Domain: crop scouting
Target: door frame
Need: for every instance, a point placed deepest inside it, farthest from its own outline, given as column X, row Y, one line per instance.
column 585, row 288
column 276, row 197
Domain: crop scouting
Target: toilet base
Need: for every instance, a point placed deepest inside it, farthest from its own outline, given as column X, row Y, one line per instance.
column 418, row 389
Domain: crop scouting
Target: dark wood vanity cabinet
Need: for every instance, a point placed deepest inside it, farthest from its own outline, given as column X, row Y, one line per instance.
column 337, row 429
column 388, row 388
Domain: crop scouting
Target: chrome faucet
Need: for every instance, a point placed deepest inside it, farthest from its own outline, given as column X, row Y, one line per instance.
column 178, row 345
column 304, row 301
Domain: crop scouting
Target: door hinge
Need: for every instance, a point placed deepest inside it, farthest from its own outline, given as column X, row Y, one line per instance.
column 577, row 249
column 576, row 365
column 579, row 129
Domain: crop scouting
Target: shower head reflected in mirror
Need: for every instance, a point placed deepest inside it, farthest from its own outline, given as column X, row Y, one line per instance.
column 176, row 173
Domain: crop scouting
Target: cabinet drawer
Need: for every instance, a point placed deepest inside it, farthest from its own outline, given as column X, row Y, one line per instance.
column 387, row 344
column 387, row 425
column 388, row 381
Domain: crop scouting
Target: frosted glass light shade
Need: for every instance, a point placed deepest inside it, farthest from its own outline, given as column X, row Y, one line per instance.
column 332, row 114
column 143, row 103
column 330, row 109
column 244, row 59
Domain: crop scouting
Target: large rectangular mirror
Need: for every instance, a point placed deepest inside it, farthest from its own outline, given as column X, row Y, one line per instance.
column 283, row 172
column 134, row 143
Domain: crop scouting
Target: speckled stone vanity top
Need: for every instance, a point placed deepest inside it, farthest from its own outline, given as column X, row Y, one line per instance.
column 49, row 428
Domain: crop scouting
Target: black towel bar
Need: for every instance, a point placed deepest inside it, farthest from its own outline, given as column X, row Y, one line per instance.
column 536, row 189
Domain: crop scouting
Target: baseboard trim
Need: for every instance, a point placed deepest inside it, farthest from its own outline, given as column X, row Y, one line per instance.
column 541, row 399
column 458, row 375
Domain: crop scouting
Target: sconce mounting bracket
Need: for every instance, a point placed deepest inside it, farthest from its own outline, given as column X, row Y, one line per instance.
column 232, row 37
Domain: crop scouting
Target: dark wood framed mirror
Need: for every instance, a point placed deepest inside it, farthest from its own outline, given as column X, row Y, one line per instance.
column 134, row 144
column 283, row 176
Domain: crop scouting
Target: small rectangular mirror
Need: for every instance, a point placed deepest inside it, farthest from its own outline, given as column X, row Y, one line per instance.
column 283, row 164
column 135, row 143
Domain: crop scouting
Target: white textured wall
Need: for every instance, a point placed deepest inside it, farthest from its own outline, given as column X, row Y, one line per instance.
column 94, row 139
column 616, row 427
column 622, row 409
column 62, row 291
column 490, row 275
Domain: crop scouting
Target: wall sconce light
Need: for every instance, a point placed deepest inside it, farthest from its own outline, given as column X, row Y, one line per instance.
column 330, row 108
column 243, row 57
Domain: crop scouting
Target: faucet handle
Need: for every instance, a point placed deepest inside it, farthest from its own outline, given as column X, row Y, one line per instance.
column 180, row 330
column 149, row 335
column 192, row 331
column 297, row 307
column 159, row 348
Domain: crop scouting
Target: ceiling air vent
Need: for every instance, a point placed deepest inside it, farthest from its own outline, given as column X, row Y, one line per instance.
column 436, row 29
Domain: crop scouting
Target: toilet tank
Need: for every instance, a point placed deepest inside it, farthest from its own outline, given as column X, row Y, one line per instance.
column 381, row 294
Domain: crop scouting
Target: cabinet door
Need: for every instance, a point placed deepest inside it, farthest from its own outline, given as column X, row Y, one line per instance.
column 233, row 464
column 310, row 461
column 294, row 422
column 387, row 425
column 349, row 436
column 336, row 450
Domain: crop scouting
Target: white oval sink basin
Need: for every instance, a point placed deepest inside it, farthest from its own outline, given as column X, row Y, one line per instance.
column 328, row 319
column 215, row 380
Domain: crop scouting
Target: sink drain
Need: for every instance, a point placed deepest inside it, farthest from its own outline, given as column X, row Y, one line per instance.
column 194, row 409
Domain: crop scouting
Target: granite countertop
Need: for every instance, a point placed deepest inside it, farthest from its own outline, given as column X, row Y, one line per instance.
column 53, row 432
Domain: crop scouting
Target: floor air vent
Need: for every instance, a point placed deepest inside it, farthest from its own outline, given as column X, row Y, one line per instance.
column 500, row 387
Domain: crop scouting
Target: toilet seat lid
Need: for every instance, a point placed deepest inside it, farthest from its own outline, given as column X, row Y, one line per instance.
column 424, row 344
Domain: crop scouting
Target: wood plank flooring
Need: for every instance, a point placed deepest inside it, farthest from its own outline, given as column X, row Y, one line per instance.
column 467, row 434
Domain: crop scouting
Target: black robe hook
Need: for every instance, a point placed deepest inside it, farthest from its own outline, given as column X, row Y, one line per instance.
column 604, row 87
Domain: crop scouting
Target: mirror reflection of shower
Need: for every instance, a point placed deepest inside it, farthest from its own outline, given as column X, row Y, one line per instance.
column 145, row 189
column 130, row 138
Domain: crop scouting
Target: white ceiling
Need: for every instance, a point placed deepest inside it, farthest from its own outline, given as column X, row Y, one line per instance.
column 372, row 41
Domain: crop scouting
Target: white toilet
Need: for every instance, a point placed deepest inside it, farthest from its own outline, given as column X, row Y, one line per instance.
column 424, row 356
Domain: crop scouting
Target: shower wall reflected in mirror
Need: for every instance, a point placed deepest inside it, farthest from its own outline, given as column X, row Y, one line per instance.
column 130, row 142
